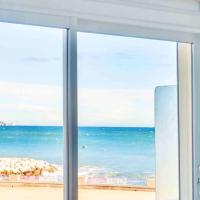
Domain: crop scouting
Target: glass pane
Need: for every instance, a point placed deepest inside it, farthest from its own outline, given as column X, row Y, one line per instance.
column 31, row 137
column 117, row 77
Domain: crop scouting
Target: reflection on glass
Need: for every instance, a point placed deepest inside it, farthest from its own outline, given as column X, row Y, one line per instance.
column 117, row 77
column 167, row 172
column 31, row 137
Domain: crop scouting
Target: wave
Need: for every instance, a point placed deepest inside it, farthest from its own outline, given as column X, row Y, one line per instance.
column 100, row 175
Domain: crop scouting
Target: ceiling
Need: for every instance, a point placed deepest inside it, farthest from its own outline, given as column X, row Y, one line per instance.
column 166, row 14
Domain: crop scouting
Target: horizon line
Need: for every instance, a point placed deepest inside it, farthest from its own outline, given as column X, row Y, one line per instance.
column 92, row 126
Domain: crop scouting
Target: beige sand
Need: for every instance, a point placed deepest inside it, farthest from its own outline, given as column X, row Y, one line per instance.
column 50, row 193
column 115, row 195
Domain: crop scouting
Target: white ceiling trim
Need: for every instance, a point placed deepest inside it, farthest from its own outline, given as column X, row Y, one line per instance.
column 97, row 10
column 181, row 6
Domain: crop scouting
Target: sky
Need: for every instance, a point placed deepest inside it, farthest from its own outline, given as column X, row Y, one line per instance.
column 117, row 77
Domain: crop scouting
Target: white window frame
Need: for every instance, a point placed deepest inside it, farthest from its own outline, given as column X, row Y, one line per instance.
column 70, row 115
column 188, row 48
column 184, row 68
column 72, row 25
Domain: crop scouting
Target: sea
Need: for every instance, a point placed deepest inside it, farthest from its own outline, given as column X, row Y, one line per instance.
column 119, row 152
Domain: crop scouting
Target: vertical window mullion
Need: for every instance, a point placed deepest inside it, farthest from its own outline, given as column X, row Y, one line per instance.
column 70, row 115
column 185, row 120
column 196, row 117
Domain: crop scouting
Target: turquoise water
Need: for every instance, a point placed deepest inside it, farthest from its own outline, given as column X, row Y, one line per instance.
column 113, row 151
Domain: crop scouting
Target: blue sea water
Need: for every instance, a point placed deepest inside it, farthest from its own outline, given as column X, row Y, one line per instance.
column 123, row 152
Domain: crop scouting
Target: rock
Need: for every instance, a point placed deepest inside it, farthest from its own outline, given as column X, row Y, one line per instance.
column 37, row 172
column 25, row 166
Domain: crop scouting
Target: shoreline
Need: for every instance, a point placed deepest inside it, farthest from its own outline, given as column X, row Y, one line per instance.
column 27, row 172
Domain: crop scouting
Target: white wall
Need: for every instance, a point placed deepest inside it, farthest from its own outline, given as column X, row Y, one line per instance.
column 179, row 15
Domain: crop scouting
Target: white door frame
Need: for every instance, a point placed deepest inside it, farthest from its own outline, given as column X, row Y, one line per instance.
column 70, row 115
column 70, row 84
column 184, row 62
column 196, row 116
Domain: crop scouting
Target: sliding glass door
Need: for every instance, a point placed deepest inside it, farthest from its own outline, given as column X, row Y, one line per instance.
column 132, row 99
column 121, row 82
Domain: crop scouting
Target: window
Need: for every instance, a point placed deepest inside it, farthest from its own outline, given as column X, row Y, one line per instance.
column 119, row 81
column 31, row 131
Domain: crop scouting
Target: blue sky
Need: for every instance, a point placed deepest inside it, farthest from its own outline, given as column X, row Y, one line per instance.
column 29, row 53
column 116, row 77
column 31, row 75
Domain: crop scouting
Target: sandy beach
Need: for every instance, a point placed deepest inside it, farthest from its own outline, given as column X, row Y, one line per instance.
column 115, row 195
column 24, row 178
column 51, row 193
